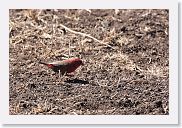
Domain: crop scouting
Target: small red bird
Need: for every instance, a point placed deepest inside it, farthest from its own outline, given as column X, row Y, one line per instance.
column 65, row 66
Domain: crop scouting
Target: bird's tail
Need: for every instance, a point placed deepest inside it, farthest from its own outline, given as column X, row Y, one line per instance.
column 40, row 62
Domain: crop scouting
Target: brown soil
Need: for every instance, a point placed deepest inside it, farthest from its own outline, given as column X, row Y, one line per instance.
column 126, row 72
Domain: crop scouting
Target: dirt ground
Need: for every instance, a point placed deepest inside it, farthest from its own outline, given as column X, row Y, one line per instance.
column 125, row 55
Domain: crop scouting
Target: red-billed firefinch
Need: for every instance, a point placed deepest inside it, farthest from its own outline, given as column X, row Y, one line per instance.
column 65, row 66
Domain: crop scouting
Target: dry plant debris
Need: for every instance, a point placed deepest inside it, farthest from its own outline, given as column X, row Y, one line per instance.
column 125, row 52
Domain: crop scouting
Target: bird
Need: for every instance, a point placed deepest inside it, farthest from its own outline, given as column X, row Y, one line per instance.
column 64, row 66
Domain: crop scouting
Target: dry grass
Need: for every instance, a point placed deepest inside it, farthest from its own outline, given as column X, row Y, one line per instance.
column 125, row 54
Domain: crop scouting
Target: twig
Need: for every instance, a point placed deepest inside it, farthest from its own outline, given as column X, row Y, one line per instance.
column 84, row 34
column 114, row 95
column 88, row 10
column 69, row 49
column 53, row 109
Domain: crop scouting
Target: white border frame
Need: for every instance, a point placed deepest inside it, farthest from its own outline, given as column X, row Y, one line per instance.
column 172, row 118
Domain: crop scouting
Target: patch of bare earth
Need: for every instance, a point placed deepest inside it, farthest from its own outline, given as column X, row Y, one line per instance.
column 126, row 57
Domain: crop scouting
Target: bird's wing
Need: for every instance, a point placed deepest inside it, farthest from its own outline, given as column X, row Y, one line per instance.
column 60, row 65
